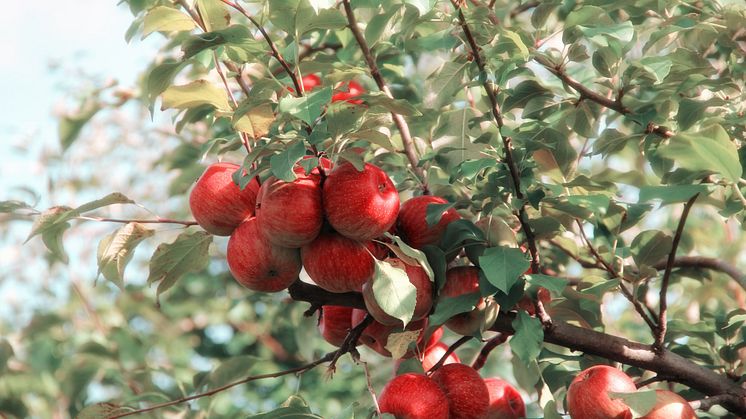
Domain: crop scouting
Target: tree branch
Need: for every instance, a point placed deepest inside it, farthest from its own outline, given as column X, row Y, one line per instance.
column 661, row 335
column 524, row 7
column 491, row 344
column 515, row 174
column 462, row 340
column 399, row 121
column 701, row 262
column 665, row 363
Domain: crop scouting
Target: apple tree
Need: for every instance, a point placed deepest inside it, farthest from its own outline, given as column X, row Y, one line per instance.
column 395, row 196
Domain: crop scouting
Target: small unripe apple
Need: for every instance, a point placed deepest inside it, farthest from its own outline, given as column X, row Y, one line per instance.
column 669, row 405
column 434, row 353
column 360, row 205
column 335, row 323
column 465, row 390
column 413, row 396
column 219, row 205
column 505, row 401
column 336, row 263
column 465, row 280
column 290, row 214
column 376, row 335
column 588, row 398
column 353, row 90
column 424, row 297
column 412, row 221
column 258, row 264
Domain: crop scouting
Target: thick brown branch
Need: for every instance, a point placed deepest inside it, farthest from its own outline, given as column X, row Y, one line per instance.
column 515, row 174
column 701, row 262
column 399, row 121
column 661, row 333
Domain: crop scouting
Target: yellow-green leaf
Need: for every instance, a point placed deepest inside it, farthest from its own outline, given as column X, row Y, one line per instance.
column 116, row 250
column 194, row 94
column 166, row 19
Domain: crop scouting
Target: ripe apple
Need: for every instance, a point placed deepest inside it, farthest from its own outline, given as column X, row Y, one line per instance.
column 336, row 263
column 424, row 297
column 325, row 164
column 588, row 398
column 505, row 401
column 412, row 224
column 376, row 335
column 379, row 250
column 353, row 90
column 290, row 214
column 257, row 263
column 465, row 280
column 434, row 337
column 465, row 390
column 669, row 405
column 335, row 323
column 219, row 205
column 434, row 353
column 309, row 82
column 413, row 396
column 360, row 205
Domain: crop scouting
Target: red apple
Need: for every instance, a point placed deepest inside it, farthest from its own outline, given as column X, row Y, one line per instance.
column 376, row 335
column 350, row 91
column 465, row 280
column 290, row 214
column 219, row 205
column 325, row 164
column 413, row 396
column 335, row 323
column 412, row 224
column 669, row 405
column 588, row 398
column 258, row 264
column 465, row 390
column 379, row 250
column 360, row 205
column 505, row 401
column 423, row 299
column 434, row 337
column 308, row 83
column 434, row 353
column 336, row 263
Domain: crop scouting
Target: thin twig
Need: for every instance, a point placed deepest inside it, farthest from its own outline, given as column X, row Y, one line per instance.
column 491, row 344
column 371, row 390
column 326, row 358
column 661, row 335
column 515, row 174
column 522, row 8
column 243, row 135
column 399, row 121
column 126, row 221
column 448, row 352
column 657, row 378
column 350, row 342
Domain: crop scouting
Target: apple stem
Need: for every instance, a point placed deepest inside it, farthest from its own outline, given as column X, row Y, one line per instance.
column 450, row 350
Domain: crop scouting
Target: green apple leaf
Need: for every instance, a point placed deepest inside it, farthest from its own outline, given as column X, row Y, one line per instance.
column 554, row 284
column 671, row 194
column 254, row 120
column 393, row 291
column 434, row 212
column 166, row 19
column 214, row 14
column 195, row 94
column 116, row 250
column 171, row 261
column 294, row 407
column 307, row 108
column 650, row 247
column 709, row 150
column 641, row 402
column 451, row 306
column 283, row 162
column 52, row 238
column 528, row 339
column 503, row 265
column 410, row 255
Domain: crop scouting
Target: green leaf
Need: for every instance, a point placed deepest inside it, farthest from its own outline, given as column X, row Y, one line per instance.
column 554, row 284
column 71, row 125
column 307, row 108
column 238, row 36
column 410, row 255
column 325, row 19
column 690, row 112
column 11, row 206
column 434, row 212
column 503, row 265
column 640, row 402
column 447, row 81
column 102, row 410
column 166, row 19
column 254, row 120
column 6, row 352
column 282, row 163
column 214, row 14
column 398, row 343
column 601, row 35
column 671, row 194
column 194, row 94
column 528, row 339
column 400, row 106
column 293, row 408
column 116, row 250
column 708, row 150
column 52, row 238
column 291, row 15
column 650, row 247
column 171, row 261
column 55, row 216
column 449, row 307
column 160, row 78
column 393, row 291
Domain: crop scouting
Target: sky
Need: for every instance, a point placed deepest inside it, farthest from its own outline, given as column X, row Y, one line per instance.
column 45, row 46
